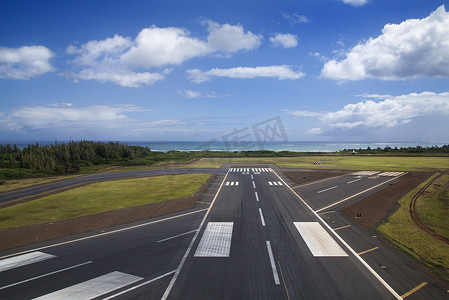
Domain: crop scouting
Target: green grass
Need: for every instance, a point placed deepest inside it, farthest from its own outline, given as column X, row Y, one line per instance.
column 359, row 162
column 433, row 208
column 101, row 197
column 404, row 234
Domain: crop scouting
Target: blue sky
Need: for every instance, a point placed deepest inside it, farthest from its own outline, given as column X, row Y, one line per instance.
column 330, row 70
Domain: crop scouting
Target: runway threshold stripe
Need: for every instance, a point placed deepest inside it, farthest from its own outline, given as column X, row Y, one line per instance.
column 93, row 288
column 23, row 260
column 216, row 240
column 318, row 240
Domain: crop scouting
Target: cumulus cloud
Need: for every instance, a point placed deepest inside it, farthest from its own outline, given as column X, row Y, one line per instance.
column 280, row 72
column 231, row 38
column 355, row 2
column 387, row 113
column 115, row 59
column 66, row 119
column 414, row 48
column 25, row 62
column 284, row 40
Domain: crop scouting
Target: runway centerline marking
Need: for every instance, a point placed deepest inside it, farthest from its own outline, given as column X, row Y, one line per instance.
column 352, row 181
column 254, row 185
column 178, row 235
column 257, row 196
column 328, row 189
column 261, row 217
column 415, row 289
column 108, row 233
column 94, row 288
column 273, row 264
column 362, row 261
column 350, row 197
column 44, row 275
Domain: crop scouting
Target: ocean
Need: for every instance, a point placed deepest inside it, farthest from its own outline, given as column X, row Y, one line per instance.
column 277, row 146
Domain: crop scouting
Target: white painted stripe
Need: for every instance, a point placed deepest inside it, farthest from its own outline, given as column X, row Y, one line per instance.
column 113, row 231
column 252, row 177
column 331, row 188
column 44, row 275
column 270, row 183
column 349, row 182
column 216, row 240
column 192, row 242
column 361, row 260
column 227, row 183
column 232, row 183
column 273, row 264
column 257, row 196
column 261, row 217
column 236, row 183
column 178, row 235
column 254, row 185
column 138, row 286
column 279, row 183
column 93, row 288
column 23, row 260
column 318, row 240
column 275, row 183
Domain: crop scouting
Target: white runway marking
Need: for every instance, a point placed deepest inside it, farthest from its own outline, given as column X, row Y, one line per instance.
column 349, row 182
column 365, row 173
column 391, row 174
column 318, row 240
column 261, row 217
column 331, row 188
column 273, row 264
column 23, row 260
column 254, row 185
column 44, row 275
column 216, row 240
column 93, row 288
column 178, row 235
column 257, row 196
column 270, row 183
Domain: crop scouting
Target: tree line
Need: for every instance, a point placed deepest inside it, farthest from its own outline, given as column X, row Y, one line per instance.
column 77, row 156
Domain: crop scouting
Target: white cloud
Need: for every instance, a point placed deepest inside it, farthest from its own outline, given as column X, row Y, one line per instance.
column 189, row 94
column 284, row 40
column 155, row 47
column 294, row 18
column 280, row 72
column 25, row 62
column 315, row 131
column 355, row 2
column 95, row 120
column 386, row 113
column 414, row 48
column 115, row 59
column 231, row 38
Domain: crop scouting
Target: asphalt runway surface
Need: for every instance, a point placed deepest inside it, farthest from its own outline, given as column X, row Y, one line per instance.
column 253, row 235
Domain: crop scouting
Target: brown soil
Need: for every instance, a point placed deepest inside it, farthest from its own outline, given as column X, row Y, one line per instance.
column 379, row 206
column 15, row 237
column 306, row 176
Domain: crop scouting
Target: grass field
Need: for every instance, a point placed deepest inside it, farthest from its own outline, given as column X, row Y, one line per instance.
column 365, row 162
column 101, row 197
column 432, row 209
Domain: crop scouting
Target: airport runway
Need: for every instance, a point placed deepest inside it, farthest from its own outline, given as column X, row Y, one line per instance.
column 252, row 237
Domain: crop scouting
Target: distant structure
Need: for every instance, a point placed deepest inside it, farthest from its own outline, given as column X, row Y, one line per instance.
column 354, row 152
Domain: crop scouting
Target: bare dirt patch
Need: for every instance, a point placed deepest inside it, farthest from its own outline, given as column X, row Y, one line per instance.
column 15, row 237
column 379, row 206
